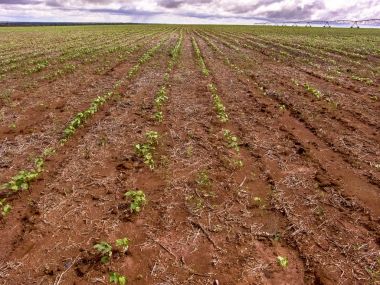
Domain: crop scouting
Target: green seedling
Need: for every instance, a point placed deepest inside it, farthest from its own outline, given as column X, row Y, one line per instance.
column 202, row 179
column 282, row 261
column 118, row 278
column 218, row 104
column 39, row 164
column 105, row 250
column 313, row 91
column 124, row 243
column 152, row 137
column 158, row 116
column 232, row 140
column 258, row 202
column 48, row 151
column 160, row 98
column 236, row 163
column 145, row 150
column 137, row 198
column 4, row 207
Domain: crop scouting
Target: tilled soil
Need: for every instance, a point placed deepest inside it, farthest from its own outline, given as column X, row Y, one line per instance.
column 302, row 185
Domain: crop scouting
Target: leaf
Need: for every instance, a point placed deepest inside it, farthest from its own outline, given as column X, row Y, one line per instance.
column 122, row 280
column 104, row 259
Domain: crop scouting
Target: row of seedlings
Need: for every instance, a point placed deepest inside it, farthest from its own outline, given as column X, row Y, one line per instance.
column 22, row 180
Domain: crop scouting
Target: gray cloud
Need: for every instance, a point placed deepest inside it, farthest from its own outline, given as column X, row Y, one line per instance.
column 20, row 2
column 171, row 4
column 272, row 10
column 295, row 12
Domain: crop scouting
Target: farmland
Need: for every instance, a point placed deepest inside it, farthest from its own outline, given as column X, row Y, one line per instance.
column 168, row 154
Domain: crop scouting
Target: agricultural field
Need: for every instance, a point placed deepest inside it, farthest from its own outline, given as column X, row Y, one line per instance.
column 169, row 154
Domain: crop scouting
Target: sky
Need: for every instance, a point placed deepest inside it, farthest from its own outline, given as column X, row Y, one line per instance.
column 190, row 12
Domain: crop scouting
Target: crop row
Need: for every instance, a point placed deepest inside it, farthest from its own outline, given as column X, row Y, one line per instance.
column 22, row 180
column 298, row 109
column 231, row 140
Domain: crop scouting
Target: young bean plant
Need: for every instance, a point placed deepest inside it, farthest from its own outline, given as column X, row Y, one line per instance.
column 105, row 250
column 231, row 139
column 145, row 150
column 218, row 104
column 313, row 91
column 118, row 278
column 5, row 208
column 137, row 198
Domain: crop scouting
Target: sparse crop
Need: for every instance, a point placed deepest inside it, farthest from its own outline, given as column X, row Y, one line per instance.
column 198, row 54
column 144, row 58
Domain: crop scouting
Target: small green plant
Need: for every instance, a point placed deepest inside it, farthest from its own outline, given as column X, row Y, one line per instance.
column 145, row 150
column 158, row 116
column 218, row 104
column 137, row 198
column 105, row 249
column 160, row 98
column 258, row 202
column 202, row 179
column 232, row 140
column 39, row 164
column 118, row 278
column 282, row 261
column 313, row 91
column 282, row 107
column 152, row 137
column 4, row 207
column 48, row 152
column 124, row 243
column 236, row 163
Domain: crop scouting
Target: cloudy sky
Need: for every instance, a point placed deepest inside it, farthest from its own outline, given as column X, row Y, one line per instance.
column 180, row 11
